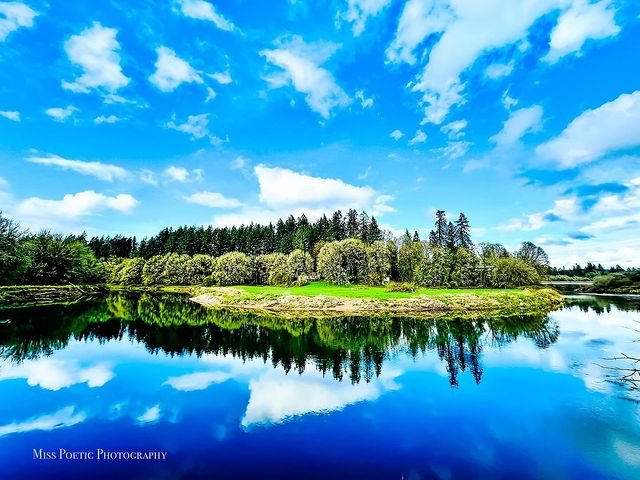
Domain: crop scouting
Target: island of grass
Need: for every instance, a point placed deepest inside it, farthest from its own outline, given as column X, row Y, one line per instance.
column 319, row 298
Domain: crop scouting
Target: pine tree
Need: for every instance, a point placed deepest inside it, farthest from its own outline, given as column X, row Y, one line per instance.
column 352, row 223
column 363, row 227
column 375, row 234
column 463, row 232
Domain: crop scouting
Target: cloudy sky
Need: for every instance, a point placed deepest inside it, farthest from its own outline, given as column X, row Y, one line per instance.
column 124, row 117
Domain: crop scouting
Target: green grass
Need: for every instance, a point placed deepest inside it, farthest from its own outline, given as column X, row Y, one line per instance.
column 319, row 288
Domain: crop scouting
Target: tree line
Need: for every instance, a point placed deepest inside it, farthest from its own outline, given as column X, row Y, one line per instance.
column 343, row 250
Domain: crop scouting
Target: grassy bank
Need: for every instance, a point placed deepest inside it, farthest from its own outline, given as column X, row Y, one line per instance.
column 319, row 299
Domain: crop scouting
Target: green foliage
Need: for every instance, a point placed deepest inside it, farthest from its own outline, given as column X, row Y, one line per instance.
column 465, row 269
column 378, row 263
column 401, row 287
column 410, row 256
column 153, row 272
column 534, row 256
column 329, row 263
column 55, row 259
column 232, row 268
column 627, row 282
column 435, row 268
column 299, row 265
column 512, row 272
column 13, row 260
column 276, row 269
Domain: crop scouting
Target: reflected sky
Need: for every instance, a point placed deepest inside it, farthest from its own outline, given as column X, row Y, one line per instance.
column 247, row 398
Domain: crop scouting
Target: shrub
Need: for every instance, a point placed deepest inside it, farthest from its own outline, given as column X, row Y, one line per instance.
column 299, row 264
column 401, row 287
column 512, row 272
column 153, row 272
column 330, row 265
column 232, row 268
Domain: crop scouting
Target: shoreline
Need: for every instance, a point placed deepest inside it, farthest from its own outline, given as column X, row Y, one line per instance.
column 459, row 304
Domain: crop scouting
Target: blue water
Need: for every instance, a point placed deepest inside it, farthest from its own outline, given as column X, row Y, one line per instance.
column 244, row 397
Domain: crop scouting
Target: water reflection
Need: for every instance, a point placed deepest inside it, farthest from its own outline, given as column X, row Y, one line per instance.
column 346, row 348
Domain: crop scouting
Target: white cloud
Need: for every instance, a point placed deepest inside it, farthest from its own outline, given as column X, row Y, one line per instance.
column 223, row 78
column 507, row 101
column 359, row 11
column 419, row 137
column 584, row 20
column 55, row 374
column 364, row 102
column 172, row 71
column 15, row 15
column 182, row 175
column 197, row 126
column 419, row 20
column 102, row 171
column 306, row 194
column 201, row 10
column 10, row 115
column 73, row 206
column 148, row 177
column 106, row 119
column 239, row 163
column 150, row 415
column 520, row 122
column 95, row 51
column 499, row 70
column 60, row 114
column 563, row 209
column 213, row 199
column 596, row 133
column 448, row 36
column 197, row 380
column 396, row 134
column 454, row 150
column 301, row 65
column 454, row 129
column 65, row 417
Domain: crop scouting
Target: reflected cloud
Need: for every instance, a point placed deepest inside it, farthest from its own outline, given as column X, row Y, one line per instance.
column 197, row 380
column 277, row 397
column 54, row 374
column 150, row 415
column 65, row 417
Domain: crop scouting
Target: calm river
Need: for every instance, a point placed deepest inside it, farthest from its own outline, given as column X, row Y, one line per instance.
column 192, row 394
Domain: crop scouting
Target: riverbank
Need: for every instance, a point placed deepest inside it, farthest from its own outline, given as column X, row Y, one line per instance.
column 33, row 295
column 318, row 299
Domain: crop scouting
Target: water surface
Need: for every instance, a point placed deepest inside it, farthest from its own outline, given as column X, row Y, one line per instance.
column 230, row 396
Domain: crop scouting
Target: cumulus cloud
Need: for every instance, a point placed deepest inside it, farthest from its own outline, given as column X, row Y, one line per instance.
column 172, row 71
column 106, row 119
column 419, row 137
column 15, row 15
column 301, row 66
column 102, row 171
column 65, row 417
column 201, row 10
column 454, row 129
column 595, row 133
column 197, row 126
column 359, row 11
column 396, row 134
column 213, row 200
column 364, row 101
column 564, row 209
column 182, row 175
column 306, row 194
column 60, row 114
column 584, row 20
column 520, row 122
column 499, row 70
column 73, row 206
column 95, row 52
column 10, row 115
column 452, row 35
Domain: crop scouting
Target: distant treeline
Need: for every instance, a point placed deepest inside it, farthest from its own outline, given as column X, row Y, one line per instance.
column 343, row 250
column 588, row 271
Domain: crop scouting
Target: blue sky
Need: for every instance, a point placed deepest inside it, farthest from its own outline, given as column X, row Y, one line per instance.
column 125, row 117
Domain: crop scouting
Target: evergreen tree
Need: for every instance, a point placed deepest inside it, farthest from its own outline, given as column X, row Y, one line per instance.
column 352, row 224
column 375, row 234
column 463, row 232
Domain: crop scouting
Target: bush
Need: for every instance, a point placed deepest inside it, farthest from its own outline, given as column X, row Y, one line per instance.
column 275, row 268
column 401, row 287
column 232, row 268
column 299, row 264
column 378, row 263
column 511, row 273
